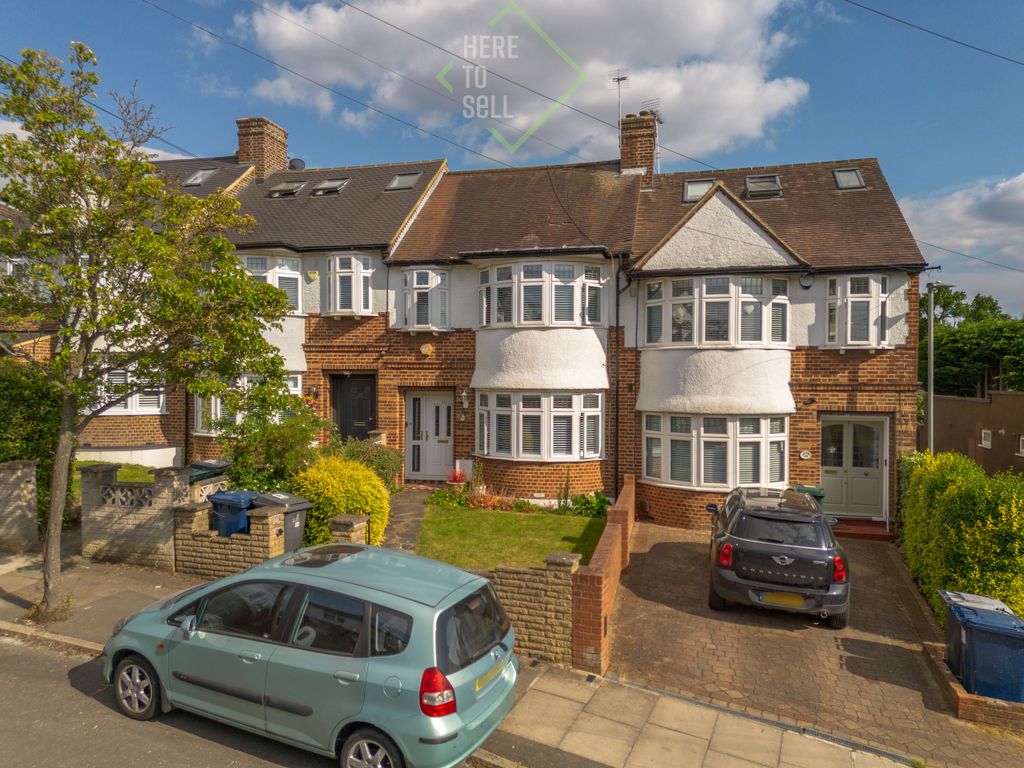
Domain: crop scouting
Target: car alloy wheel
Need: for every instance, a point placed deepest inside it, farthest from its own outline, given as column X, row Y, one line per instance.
column 368, row 749
column 136, row 688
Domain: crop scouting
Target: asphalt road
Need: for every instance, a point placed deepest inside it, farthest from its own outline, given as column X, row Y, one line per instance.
column 56, row 711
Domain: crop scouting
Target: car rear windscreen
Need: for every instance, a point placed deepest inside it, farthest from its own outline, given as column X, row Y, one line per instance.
column 469, row 629
column 798, row 533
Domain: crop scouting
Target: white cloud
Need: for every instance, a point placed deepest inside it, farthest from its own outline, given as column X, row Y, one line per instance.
column 11, row 126
column 985, row 219
column 211, row 84
column 709, row 63
column 163, row 154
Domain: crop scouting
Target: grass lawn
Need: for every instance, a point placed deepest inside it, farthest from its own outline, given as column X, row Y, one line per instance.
column 128, row 473
column 480, row 539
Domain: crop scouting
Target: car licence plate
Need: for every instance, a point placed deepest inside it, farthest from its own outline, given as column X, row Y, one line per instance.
column 787, row 599
column 486, row 677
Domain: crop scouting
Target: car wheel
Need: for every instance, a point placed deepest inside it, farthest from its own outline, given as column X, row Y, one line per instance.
column 136, row 688
column 839, row 620
column 715, row 601
column 366, row 747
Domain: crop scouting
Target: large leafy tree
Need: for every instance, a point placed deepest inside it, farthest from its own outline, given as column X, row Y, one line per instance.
column 128, row 272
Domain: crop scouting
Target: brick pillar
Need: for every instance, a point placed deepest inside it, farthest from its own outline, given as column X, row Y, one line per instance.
column 348, row 529
column 266, row 529
column 18, row 529
column 262, row 143
column 639, row 140
column 94, row 477
column 170, row 486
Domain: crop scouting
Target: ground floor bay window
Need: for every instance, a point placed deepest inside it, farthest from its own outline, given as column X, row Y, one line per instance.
column 539, row 426
column 714, row 452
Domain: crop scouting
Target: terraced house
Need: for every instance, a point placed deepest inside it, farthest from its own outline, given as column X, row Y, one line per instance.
column 570, row 324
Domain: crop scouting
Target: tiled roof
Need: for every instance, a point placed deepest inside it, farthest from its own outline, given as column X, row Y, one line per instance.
column 362, row 214
column 830, row 228
column 555, row 207
column 228, row 171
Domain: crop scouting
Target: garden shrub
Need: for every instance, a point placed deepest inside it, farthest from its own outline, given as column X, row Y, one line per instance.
column 385, row 462
column 339, row 486
column 963, row 530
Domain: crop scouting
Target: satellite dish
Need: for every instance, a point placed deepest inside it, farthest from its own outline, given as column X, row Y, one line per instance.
column 296, row 164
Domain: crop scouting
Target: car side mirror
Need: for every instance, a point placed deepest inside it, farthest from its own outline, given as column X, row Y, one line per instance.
column 712, row 508
column 832, row 520
column 188, row 626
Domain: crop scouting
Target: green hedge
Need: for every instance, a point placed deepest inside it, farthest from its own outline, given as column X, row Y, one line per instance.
column 963, row 530
column 338, row 486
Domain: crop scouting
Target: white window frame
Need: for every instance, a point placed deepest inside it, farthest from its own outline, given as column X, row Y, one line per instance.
column 436, row 287
column 692, row 291
column 136, row 404
column 359, row 268
column 660, row 427
column 199, row 427
column 274, row 268
column 839, row 306
column 588, row 281
column 585, row 408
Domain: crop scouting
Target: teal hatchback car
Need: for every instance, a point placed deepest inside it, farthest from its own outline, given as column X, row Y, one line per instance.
column 373, row 656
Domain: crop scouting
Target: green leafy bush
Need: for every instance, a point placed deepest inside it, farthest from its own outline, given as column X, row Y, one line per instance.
column 963, row 530
column 339, row 486
column 384, row 461
column 447, row 498
column 266, row 453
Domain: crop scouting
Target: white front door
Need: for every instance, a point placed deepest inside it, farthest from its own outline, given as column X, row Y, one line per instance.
column 853, row 466
column 428, row 435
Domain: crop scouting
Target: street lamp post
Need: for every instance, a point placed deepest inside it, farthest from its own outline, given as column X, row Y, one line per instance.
column 931, row 361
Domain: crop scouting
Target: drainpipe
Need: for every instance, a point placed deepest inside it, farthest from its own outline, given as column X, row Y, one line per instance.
column 188, row 397
column 618, row 369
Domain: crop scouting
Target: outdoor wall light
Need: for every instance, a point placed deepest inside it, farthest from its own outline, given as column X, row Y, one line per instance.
column 465, row 399
column 315, row 391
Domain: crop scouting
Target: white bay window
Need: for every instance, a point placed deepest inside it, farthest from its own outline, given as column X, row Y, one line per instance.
column 283, row 273
column 539, row 426
column 857, row 311
column 714, row 451
column 541, row 294
column 147, row 403
column 350, row 284
column 426, row 299
column 210, row 410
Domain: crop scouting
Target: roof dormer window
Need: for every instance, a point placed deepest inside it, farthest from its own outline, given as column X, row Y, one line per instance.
column 763, row 186
column 199, row 177
column 286, row 189
column 329, row 187
column 848, row 178
column 403, row 181
column 695, row 189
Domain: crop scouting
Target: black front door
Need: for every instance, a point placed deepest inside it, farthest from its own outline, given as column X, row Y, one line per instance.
column 354, row 402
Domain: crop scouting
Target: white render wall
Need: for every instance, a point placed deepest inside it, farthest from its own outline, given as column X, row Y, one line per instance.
column 541, row 358
column 713, row 381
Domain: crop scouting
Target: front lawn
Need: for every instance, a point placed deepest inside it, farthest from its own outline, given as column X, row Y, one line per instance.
column 480, row 539
column 127, row 473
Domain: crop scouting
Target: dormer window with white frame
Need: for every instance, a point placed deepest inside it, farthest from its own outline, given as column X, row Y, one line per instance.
column 426, row 299
column 282, row 273
column 548, row 294
column 351, row 290
column 857, row 311
column 199, row 178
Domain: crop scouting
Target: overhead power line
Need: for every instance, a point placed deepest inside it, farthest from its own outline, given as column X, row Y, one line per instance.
column 933, row 33
column 969, row 256
column 402, row 75
column 106, row 111
column 324, row 86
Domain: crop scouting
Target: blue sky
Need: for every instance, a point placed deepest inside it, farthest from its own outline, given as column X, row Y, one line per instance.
column 741, row 82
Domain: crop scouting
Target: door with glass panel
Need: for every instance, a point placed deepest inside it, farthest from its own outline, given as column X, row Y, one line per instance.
column 853, row 466
column 428, row 430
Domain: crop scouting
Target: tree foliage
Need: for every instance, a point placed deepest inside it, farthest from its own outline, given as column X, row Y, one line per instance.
column 128, row 272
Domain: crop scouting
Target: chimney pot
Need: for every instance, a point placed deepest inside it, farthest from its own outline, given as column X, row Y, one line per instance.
column 263, row 143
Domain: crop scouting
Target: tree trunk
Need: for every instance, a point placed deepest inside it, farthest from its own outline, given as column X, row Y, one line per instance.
column 58, row 499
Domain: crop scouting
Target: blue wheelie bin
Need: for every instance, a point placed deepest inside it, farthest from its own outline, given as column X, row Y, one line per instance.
column 229, row 511
column 955, row 632
column 993, row 653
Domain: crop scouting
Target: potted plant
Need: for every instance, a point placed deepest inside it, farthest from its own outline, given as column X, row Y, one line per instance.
column 456, row 476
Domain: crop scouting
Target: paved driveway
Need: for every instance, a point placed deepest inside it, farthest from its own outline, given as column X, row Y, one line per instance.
column 868, row 682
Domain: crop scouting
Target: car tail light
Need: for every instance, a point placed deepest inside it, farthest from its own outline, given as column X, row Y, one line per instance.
column 437, row 697
column 725, row 556
column 838, row 570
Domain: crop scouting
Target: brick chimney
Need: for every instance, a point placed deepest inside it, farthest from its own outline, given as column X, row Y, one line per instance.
column 638, row 139
column 262, row 143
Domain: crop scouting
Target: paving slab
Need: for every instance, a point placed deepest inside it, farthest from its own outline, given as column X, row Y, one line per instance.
column 622, row 704
column 747, row 739
column 658, row 747
column 542, row 717
column 684, row 716
column 800, row 751
column 569, row 685
column 721, row 760
column 607, row 741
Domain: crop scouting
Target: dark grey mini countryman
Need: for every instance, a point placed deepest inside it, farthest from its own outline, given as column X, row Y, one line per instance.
column 775, row 549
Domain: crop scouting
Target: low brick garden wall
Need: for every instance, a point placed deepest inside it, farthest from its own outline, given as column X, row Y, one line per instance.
column 198, row 549
column 968, row 706
column 18, row 530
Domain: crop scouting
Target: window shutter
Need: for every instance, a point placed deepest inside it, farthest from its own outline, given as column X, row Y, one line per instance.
column 366, row 297
column 777, row 461
column 481, row 432
column 561, row 435
column 652, row 457
column 485, row 306
column 860, row 318
column 654, row 324
column 530, row 437
column 504, row 314
column 779, row 329
column 716, row 466
column 533, row 300
column 344, row 292
column 442, row 308
column 750, row 463
column 151, row 401
column 564, row 303
column 503, row 433
column 118, row 379
column 290, row 286
column 593, row 304
column 750, row 321
column 681, row 466
column 422, row 308
column 716, row 321
column 593, row 434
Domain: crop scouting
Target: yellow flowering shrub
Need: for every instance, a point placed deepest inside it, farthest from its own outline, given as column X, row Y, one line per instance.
column 338, row 486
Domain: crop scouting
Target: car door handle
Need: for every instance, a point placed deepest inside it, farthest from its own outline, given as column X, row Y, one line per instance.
column 250, row 656
column 346, row 677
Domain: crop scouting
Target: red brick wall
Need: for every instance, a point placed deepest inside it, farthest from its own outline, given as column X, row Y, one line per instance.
column 262, row 143
column 526, row 479
column 131, row 431
column 639, row 135
column 681, row 507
